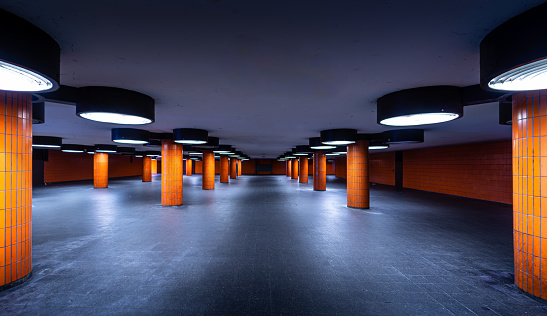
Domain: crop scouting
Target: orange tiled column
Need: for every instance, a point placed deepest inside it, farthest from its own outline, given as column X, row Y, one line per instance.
column 319, row 171
column 303, row 178
column 239, row 167
column 154, row 165
column 146, row 169
column 530, row 191
column 15, row 188
column 189, row 163
column 233, row 168
column 357, row 175
column 171, row 173
column 294, row 171
column 208, row 176
column 100, row 170
column 289, row 167
column 224, row 169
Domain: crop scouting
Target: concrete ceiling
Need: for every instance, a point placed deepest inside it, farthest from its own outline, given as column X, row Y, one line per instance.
column 265, row 76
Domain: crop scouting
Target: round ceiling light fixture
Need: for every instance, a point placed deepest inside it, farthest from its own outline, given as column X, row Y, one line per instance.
column 69, row 148
column 30, row 60
column 377, row 145
column 105, row 148
column 513, row 56
column 221, row 149
column 340, row 136
column 47, row 142
column 302, row 150
column 130, row 136
column 212, row 143
column 315, row 144
column 340, row 150
column 402, row 136
column 115, row 105
column 420, row 106
column 153, row 153
column 191, row 136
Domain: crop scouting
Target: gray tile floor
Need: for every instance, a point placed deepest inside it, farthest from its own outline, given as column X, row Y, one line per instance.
column 266, row 245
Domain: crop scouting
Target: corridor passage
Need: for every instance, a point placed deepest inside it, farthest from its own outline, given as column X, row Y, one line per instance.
column 266, row 245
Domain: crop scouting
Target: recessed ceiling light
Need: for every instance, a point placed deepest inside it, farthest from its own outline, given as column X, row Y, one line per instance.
column 30, row 57
column 341, row 136
column 190, row 136
column 115, row 105
column 130, row 136
column 46, row 142
column 420, row 106
column 513, row 55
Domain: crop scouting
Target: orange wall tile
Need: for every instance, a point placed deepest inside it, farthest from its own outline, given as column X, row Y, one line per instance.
column 248, row 167
column 15, row 186
column 479, row 170
column 198, row 166
column 340, row 167
column 382, row 168
column 154, row 164
column 74, row 166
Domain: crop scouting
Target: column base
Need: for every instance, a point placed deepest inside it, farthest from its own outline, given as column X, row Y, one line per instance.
column 15, row 283
column 359, row 208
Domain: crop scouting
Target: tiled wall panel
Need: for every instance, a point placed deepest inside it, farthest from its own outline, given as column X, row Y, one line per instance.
column 382, row 168
column 478, row 170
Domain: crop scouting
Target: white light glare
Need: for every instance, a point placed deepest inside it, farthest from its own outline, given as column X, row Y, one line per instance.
column 420, row 119
column 331, row 154
column 106, row 151
column 378, row 147
column 15, row 78
column 130, row 141
column 532, row 76
column 115, row 118
column 72, row 151
column 191, row 142
column 322, row 147
column 339, row 142
column 195, row 153
column 45, row 146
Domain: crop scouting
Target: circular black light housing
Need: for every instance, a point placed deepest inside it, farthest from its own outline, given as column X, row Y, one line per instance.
column 505, row 113
column 341, row 136
column 400, row 136
column 513, row 56
column 153, row 143
column 316, row 144
column 38, row 112
column 340, row 150
column 115, row 105
column 420, row 106
column 212, row 142
column 46, row 142
column 192, row 136
column 377, row 145
column 153, row 153
column 105, row 148
column 30, row 60
column 90, row 149
column 130, row 136
column 303, row 150
column 289, row 155
column 69, row 148
column 221, row 149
